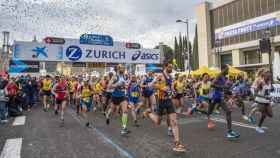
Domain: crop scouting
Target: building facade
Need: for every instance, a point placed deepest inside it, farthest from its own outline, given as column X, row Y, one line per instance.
column 229, row 33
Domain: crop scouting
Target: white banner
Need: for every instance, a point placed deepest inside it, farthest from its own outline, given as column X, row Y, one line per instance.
column 84, row 53
column 35, row 51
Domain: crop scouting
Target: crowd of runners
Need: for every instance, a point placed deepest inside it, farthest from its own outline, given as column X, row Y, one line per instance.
column 150, row 96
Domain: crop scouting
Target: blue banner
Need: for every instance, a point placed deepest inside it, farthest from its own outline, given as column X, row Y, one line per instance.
column 248, row 28
column 94, row 39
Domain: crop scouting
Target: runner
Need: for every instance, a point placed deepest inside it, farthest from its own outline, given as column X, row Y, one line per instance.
column 179, row 89
column 218, row 98
column 46, row 90
column 164, row 86
column 259, row 79
column 134, row 93
column 203, row 94
column 263, row 99
column 60, row 92
column 148, row 91
column 118, row 83
column 86, row 95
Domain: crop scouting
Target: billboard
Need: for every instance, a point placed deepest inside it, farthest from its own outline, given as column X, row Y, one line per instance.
column 21, row 66
column 71, row 52
column 35, row 51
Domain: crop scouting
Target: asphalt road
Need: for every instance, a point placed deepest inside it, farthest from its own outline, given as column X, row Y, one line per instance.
column 42, row 137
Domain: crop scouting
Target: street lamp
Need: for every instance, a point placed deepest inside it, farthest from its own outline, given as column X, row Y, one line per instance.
column 188, row 52
column 218, row 50
column 265, row 45
column 5, row 48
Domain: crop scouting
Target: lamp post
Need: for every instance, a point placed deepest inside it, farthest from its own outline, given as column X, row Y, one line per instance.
column 187, row 51
column 218, row 50
column 5, row 48
column 265, row 45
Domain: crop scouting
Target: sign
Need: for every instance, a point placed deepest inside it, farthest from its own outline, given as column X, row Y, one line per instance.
column 250, row 25
column 89, row 53
column 18, row 66
column 276, row 93
column 34, row 51
column 133, row 45
column 248, row 28
column 54, row 40
column 94, row 39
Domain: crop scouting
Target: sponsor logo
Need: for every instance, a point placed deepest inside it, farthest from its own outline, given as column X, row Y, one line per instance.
column 74, row 53
column 144, row 56
column 40, row 51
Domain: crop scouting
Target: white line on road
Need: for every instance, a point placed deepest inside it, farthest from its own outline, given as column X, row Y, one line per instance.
column 12, row 148
column 235, row 123
column 20, row 120
column 105, row 139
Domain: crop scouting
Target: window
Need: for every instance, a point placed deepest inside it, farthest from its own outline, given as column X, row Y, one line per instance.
column 271, row 5
column 277, row 5
column 251, row 8
column 246, row 9
column 264, row 7
column 258, row 7
column 252, row 57
column 226, row 59
column 240, row 11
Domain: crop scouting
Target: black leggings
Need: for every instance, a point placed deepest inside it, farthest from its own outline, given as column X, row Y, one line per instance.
column 223, row 105
column 266, row 111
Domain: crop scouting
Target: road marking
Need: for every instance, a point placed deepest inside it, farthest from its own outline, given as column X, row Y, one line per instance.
column 104, row 138
column 235, row 123
column 20, row 120
column 12, row 148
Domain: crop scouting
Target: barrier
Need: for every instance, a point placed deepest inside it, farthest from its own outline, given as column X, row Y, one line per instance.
column 276, row 93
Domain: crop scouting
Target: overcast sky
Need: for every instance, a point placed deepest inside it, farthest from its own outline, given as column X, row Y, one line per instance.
column 145, row 21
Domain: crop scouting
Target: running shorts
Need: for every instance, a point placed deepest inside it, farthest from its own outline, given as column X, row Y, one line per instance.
column 165, row 106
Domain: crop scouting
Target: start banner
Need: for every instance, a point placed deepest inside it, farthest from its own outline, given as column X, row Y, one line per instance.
column 35, row 51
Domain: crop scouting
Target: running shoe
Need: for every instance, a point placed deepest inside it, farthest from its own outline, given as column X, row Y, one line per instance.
column 146, row 113
column 4, row 121
column 56, row 112
column 62, row 123
column 179, row 147
column 217, row 112
column 260, row 130
column 232, row 135
column 107, row 121
column 87, row 125
column 211, row 124
column 252, row 120
column 136, row 123
column 124, row 131
column 169, row 132
column 244, row 117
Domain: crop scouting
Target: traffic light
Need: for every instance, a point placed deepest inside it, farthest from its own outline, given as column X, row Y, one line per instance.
column 54, row 40
column 133, row 45
column 265, row 45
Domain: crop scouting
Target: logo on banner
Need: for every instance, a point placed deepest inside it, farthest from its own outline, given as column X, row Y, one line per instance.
column 144, row 56
column 136, row 55
column 74, row 53
column 39, row 51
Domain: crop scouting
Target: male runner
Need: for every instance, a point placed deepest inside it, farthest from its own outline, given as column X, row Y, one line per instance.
column 60, row 92
column 218, row 98
column 164, row 86
column 119, row 98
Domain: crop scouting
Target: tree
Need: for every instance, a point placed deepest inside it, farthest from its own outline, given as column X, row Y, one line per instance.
column 180, row 57
column 194, row 58
column 167, row 52
column 176, row 51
